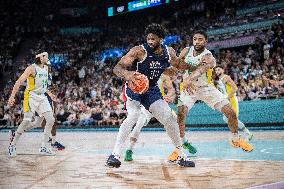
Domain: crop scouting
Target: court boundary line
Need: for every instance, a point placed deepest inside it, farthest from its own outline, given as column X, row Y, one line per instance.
column 275, row 185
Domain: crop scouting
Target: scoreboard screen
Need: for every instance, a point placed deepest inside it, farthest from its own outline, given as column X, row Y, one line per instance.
column 136, row 5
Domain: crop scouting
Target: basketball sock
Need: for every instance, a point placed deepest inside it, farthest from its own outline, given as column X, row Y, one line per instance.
column 246, row 131
column 131, row 145
column 53, row 139
column 184, row 139
column 180, row 152
column 48, row 126
column 234, row 136
column 241, row 125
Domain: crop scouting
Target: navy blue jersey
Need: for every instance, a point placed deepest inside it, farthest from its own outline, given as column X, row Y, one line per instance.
column 49, row 82
column 153, row 65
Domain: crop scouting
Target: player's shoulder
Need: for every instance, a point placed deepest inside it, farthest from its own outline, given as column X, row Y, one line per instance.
column 139, row 49
column 184, row 52
column 30, row 70
column 31, row 67
column 226, row 78
column 206, row 51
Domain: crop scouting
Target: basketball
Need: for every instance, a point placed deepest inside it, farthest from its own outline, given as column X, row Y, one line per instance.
column 139, row 84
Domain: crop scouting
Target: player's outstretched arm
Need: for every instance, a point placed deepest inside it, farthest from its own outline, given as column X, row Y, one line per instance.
column 173, row 69
column 207, row 62
column 179, row 62
column 28, row 72
column 135, row 53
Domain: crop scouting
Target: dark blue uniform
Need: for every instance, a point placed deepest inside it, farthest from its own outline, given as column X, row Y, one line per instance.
column 152, row 66
column 48, row 86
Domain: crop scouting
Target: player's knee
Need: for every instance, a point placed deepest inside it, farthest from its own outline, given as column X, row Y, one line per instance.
column 133, row 139
column 133, row 116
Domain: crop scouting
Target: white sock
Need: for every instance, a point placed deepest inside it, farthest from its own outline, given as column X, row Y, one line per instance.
column 241, row 125
column 180, row 152
column 246, row 131
column 53, row 139
column 131, row 145
column 234, row 136
column 47, row 129
column 184, row 139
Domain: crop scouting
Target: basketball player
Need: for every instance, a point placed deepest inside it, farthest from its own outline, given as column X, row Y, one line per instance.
column 40, row 121
column 228, row 88
column 34, row 101
column 152, row 59
column 164, row 82
column 198, row 85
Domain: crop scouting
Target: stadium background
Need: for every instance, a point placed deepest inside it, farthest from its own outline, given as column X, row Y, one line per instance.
column 86, row 38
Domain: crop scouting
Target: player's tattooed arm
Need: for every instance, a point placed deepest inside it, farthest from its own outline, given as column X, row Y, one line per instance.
column 28, row 72
column 182, row 65
column 172, row 70
column 175, row 64
column 228, row 80
column 135, row 53
column 207, row 62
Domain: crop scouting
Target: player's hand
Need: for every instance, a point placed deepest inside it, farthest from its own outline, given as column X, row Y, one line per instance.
column 53, row 97
column 169, row 99
column 11, row 101
column 189, row 87
column 130, row 75
column 207, row 58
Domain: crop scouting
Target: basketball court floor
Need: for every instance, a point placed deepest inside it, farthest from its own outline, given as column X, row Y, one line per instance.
column 82, row 164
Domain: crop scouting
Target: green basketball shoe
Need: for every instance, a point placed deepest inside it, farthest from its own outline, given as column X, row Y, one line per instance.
column 128, row 155
column 191, row 149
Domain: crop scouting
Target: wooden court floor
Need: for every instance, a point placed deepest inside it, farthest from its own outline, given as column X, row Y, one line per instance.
column 81, row 165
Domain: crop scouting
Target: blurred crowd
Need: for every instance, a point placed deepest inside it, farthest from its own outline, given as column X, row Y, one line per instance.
column 87, row 90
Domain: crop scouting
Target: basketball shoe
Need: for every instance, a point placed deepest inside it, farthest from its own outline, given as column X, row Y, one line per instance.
column 113, row 161
column 241, row 143
column 128, row 155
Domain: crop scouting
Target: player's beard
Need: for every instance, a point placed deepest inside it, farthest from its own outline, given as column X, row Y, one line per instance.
column 200, row 49
column 219, row 75
column 154, row 47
